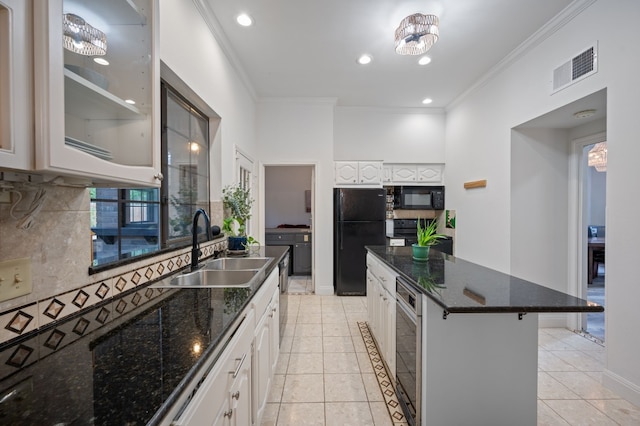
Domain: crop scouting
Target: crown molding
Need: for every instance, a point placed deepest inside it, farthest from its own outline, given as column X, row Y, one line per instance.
column 216, row 29
column 543, row 33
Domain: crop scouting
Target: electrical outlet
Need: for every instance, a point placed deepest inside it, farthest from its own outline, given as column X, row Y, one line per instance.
column 15, row 278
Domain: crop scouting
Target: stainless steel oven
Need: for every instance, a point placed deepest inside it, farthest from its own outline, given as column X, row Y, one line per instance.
column 409, row 350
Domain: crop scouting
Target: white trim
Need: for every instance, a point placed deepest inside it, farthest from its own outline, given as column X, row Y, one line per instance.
column 577, row 246
column 546, row 31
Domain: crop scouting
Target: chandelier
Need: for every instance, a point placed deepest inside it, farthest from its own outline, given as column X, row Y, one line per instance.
column 416, row 34
column 597, row 157
column 82, row 38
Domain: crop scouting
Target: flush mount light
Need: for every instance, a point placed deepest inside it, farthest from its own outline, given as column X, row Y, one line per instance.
column 427, row 101
column 82, row 38
column 194, row 147
column 416, row 34
column 364, row 59
column 100, row 61
column 424, row 60
column 244, row 20
column 130, row 101
column 584, row 114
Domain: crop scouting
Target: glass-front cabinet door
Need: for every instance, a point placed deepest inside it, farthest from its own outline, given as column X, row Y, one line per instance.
column 97, row 91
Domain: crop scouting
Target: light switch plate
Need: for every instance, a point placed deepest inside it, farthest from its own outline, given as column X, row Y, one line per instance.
column 15, row 278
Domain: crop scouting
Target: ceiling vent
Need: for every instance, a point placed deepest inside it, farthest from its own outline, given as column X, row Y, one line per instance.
column 580, row 66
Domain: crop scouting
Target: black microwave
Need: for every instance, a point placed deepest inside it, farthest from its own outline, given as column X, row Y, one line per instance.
column 418, row 197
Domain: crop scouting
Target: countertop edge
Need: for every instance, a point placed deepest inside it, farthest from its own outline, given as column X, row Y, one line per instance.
column 479, row 309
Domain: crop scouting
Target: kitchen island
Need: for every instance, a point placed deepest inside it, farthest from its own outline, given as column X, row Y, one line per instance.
column 129, row 360
column 477, row 339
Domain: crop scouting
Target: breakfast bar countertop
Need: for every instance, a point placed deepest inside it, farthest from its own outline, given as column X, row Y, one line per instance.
column 123, row 361
column 459, row 286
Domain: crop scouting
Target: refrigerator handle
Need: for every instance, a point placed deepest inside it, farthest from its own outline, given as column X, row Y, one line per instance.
column 340, row 224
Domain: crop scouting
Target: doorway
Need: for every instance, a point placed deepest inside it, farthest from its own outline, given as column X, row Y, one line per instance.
column 593, row 206
column 288, row 220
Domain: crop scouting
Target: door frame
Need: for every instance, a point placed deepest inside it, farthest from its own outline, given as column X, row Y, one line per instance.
column 313, row 166
column 577, row 243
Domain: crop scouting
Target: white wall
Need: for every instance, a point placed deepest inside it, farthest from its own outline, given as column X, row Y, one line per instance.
column 478, row 132
column 284, row 194
column 301, row 132
column 189, row 48
column 393, row 135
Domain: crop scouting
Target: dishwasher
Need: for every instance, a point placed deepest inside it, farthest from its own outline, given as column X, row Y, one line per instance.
column 284, row 287
column 409, row 350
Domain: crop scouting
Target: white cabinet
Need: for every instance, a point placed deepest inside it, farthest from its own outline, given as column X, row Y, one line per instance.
column 16, row 111
column 417, row 173
column 358, row 173
column 266, row 343
column 97, row 123
column 224, row 397
column 387, row 173
column 381, row 301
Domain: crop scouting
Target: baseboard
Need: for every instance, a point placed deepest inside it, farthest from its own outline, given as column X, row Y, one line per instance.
column 552, row 320
column 623, row 387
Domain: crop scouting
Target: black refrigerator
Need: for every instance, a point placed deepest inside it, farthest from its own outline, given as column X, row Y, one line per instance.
column 358, row 221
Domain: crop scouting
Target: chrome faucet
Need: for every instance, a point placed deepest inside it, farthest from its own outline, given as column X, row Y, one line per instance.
column 195, row 248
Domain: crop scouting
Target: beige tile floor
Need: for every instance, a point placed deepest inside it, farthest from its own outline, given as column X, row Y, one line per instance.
column 324, row 375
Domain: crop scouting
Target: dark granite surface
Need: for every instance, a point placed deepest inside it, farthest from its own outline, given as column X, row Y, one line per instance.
column 88, row 370
column 460, row 286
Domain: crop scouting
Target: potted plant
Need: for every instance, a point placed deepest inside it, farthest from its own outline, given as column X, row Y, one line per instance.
column 237, row 203
column 427, row 236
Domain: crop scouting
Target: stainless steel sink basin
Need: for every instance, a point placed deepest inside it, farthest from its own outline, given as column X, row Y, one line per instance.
column 220, row 273
column 237, row 263
column 213, row 278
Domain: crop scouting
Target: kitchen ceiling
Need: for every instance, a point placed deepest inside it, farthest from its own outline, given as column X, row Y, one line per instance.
column 306, row 48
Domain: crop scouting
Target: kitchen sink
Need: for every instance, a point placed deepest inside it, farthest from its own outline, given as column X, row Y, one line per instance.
column 213, row 278
column 237, row 263
column 236, row 272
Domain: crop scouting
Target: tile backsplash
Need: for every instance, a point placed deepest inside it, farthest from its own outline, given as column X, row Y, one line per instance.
column 59, row 246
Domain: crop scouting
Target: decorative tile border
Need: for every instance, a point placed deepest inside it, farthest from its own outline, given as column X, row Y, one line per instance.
column 384, row 379
column 19, row 321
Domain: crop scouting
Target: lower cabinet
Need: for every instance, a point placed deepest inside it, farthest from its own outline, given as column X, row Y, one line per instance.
column 302, row 259
column 381, row 300
column 266, row 344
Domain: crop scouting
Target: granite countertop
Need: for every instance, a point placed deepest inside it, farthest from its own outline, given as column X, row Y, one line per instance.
column 460, row 286
column 88, row 370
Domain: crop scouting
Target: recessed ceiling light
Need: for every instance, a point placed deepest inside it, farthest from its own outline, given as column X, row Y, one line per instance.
column 101, row 61
column 244, row 20
column 584, row 114
column 365, row 59
column 424, row 60
column 130, row 101
column 427, row 101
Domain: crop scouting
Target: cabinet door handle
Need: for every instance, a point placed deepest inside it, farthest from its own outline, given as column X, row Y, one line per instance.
column 228, row 413
column 235, row 373
column 159, row 176
column 235, row 395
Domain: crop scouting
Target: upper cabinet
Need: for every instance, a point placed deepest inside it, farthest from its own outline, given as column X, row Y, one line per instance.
column 97, row 77
column 16, row 116
column 358, row 173
column 417, row 173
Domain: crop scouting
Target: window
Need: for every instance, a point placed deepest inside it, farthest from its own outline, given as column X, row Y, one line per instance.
column 127, row 223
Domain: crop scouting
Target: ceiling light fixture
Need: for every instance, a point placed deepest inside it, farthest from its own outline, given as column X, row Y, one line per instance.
column 427, row 101
column 584, row 114
column 244, row 20
column 416, row 34
column 597, row 157
column 424, row 60
column 82, row 38
column 364, row 59
column 100, row 61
